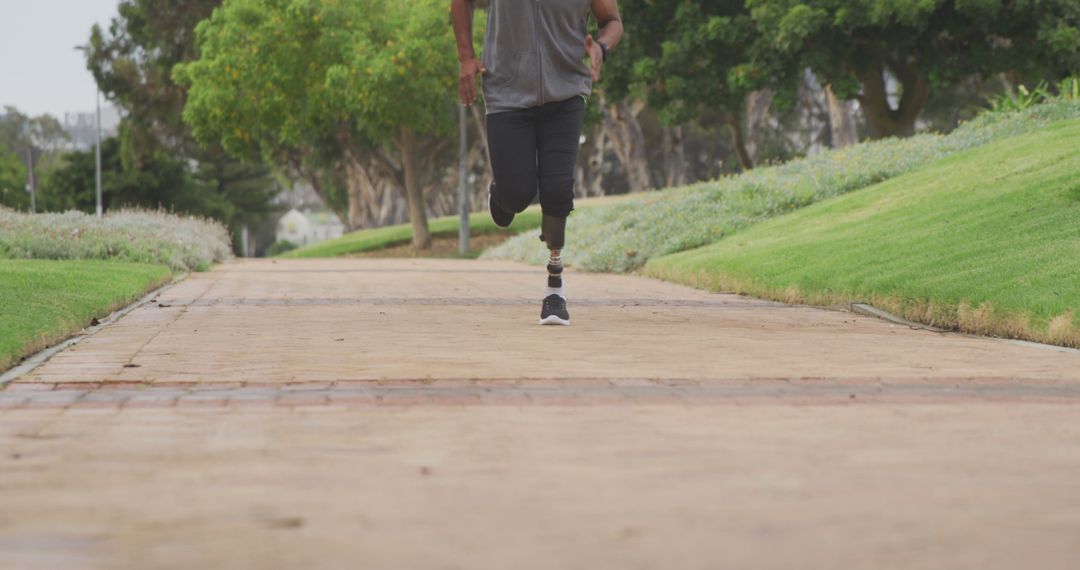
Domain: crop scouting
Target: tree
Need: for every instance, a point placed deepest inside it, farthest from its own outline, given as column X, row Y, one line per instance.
column 133, row 65
column 319, row 80
column 858, row 46
column 12, row 181
column 20, row 132
column 160, row 181
column 686, row 57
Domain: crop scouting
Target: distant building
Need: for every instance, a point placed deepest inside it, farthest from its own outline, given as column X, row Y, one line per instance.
column 308, row 227
column 83, row 126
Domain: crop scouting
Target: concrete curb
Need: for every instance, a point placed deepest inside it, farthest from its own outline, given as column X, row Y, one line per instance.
column 32, row 362
column 871, row 311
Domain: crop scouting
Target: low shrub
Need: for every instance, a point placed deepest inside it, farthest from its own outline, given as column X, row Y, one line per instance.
column 280, row 247
column 182, row 243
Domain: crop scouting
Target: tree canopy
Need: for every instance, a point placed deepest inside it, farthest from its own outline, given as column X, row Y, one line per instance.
column 685, row 57
column 326, row 79
column 856, row 45
column 12, row 181
column 133, row 64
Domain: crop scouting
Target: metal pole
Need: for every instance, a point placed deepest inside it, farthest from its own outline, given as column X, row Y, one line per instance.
column 463, row 190
column 97, row 100
column 33, row 181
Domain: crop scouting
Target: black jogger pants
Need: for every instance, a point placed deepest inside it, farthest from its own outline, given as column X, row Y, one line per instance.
column 535, row 150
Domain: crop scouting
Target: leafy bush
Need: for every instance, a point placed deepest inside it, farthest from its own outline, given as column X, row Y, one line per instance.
column 624, row 235
column 1069, row 89
column 280, row 247
column 1023, row 98
column 182, row 243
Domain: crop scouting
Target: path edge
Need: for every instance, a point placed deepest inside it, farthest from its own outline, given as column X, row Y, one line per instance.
column 872, row 311
column 32, row 362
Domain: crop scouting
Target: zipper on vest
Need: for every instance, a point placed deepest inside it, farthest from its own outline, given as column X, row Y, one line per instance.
column 539, row 55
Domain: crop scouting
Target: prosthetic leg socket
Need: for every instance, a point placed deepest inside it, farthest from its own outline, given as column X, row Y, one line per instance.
column 553, row 233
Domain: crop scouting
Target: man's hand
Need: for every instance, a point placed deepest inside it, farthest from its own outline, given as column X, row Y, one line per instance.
column 471, row 69
column 596, row 57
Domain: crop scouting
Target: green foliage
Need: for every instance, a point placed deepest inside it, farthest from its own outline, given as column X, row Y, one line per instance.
column 1069, row 89
column 685, row 55
column 12, row 181
column 133, row 65
column 925, row 45
column 279, row 247
column 382, row 238
column 318, row 73
column 47, row 301
column 18, row 132
column 947, row 39
column 624, row 235
column 181, row 243
column 159, row 180
column 323, row 85
column 987, row 241
column 21, row 135
column 1023, row 99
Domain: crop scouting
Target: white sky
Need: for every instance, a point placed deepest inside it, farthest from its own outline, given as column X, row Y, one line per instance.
column 40, row 71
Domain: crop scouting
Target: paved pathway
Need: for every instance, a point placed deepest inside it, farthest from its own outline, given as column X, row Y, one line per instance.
column 409, row 414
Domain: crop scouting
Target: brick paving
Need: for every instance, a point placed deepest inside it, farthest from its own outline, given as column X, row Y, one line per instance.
column 409, row 414
column 572, row 392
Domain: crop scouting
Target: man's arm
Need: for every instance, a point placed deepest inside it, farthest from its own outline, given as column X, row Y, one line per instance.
column 609, row 21
column 610, row 34
column 461, row 12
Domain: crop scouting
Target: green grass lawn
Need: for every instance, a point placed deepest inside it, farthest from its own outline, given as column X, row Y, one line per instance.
column 44, row 302
column 479, row 224
column 986, row 241
column 380, row 238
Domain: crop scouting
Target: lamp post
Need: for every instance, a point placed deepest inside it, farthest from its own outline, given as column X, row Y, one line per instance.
column 31, row 185
column 97, row 146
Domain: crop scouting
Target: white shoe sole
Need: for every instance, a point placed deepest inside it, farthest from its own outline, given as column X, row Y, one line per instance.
column 554, row 320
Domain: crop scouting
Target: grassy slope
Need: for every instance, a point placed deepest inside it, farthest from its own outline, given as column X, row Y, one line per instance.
column 986, row 241
column 47, row 301
column 626, row 235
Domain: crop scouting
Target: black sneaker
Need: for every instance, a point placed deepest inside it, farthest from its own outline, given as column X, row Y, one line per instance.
column 554, row 311
column 501, row 217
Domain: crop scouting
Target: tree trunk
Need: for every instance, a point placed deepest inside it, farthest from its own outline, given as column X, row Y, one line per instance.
column 881, row 119
column 738, row 140
column 413, row 191
column 758, row 104
column 674, row 157
column 841, row 120
column 359, row 189
column 628, row 142
column 589, row 177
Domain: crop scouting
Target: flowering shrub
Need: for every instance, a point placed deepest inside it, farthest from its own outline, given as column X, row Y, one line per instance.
column 624, row 235
column 183, row 243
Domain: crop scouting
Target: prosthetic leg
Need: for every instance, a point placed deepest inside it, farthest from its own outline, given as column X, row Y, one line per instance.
column 554, row 235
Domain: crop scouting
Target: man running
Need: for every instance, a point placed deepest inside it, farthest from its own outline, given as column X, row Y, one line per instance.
column 536, row 81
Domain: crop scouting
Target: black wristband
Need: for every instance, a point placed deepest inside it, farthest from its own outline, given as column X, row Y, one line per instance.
column 604, row 50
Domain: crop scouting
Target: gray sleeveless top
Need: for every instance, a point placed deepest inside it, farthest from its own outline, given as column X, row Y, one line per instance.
column 534, row 51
